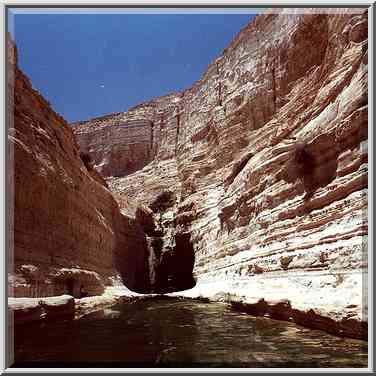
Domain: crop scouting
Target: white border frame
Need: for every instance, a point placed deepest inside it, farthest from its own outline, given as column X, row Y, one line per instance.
column 140, row 4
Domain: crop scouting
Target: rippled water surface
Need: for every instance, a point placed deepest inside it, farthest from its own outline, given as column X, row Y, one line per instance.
column 179, row 333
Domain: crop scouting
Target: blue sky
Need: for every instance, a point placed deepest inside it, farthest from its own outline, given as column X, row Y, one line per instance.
column 88, row 65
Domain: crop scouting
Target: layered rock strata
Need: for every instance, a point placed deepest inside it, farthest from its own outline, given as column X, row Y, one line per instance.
column 267, row 157
column 66, row 232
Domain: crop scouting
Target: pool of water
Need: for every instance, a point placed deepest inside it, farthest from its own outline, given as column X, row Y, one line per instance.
column 180, row 333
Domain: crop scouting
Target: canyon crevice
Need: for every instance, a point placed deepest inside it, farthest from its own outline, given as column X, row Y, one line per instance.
column 249, row 187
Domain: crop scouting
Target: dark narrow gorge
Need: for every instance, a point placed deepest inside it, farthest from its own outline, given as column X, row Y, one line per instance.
column 248, row 188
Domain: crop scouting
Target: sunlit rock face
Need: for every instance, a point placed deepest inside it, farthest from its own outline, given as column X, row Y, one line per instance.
column 67, row 234
column 267, row 159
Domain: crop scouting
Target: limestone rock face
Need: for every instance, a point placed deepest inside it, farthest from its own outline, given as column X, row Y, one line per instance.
column 123, row 143
column 267, row 156
column 67, row 234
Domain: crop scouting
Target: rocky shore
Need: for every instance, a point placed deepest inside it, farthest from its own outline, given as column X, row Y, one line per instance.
column 24, row 310
column 323, row 309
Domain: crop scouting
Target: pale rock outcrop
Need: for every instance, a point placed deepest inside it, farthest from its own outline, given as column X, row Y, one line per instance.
column 23, row 310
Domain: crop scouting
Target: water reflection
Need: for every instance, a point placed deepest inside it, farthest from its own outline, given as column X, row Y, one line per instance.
column 182, row 333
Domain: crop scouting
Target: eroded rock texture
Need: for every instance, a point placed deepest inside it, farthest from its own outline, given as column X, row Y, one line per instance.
column 66, row 232
column 266, row 157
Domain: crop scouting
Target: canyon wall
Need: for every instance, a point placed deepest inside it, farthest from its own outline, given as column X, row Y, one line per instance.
column 257, row 175
column 146, row 152
column 66, row 232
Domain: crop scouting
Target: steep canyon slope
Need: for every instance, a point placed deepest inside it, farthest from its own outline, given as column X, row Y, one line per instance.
column 257, row 175
column 66, row 232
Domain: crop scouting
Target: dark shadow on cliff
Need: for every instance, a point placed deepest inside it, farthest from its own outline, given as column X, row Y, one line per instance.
column 131, row 256
column 141, row 253
column 163, row 201
column 171, row 254
column 314, row 164
column 175, row 271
